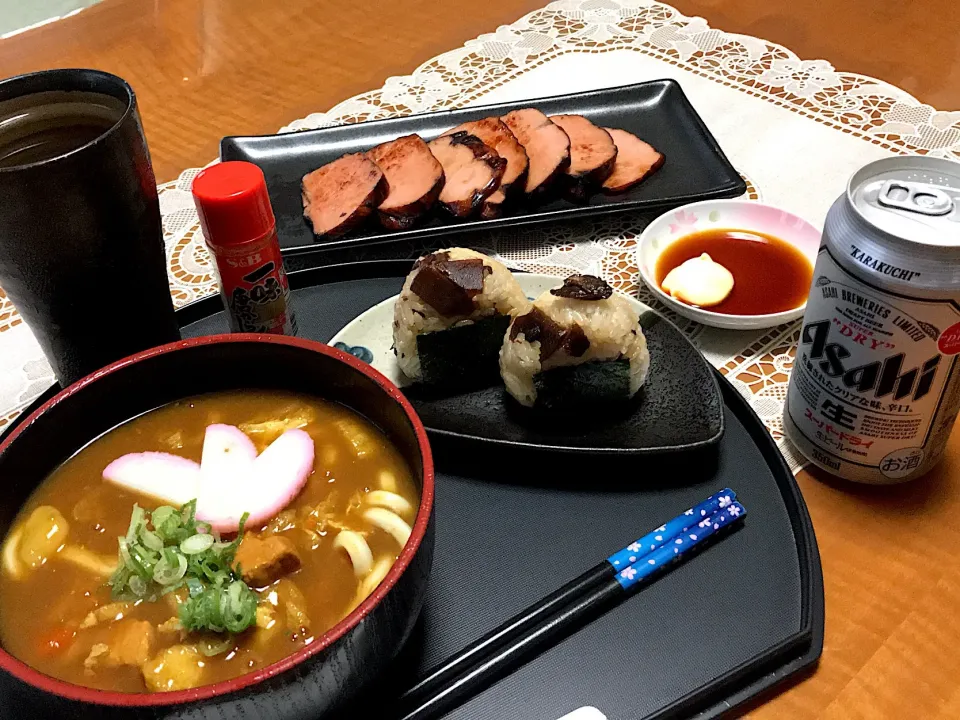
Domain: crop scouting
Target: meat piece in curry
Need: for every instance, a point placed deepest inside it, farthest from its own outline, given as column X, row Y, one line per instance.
column 262, row 561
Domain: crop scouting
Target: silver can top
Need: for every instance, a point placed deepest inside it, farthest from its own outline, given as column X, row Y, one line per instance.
column 915, row 198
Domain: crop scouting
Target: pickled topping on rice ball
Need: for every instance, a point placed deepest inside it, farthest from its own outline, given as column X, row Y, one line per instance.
column 536, row 326
column 583, row 287
column 449, row 286
column 579, row 345
column 451, row 316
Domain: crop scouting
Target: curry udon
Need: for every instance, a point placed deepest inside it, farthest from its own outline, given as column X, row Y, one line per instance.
column 123, row 584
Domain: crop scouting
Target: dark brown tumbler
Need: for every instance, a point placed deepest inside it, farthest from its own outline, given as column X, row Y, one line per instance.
column 81, row 242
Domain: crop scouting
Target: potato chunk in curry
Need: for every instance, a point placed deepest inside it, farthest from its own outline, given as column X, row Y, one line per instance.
column 131, row 643
column 179, row 667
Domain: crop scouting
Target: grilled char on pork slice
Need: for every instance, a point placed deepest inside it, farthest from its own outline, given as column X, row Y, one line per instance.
column 592, row 155
column 496, row 135
column 339, row 196
column 636, row 161
column 414, row 178
column 472, row 170
column 546, row 144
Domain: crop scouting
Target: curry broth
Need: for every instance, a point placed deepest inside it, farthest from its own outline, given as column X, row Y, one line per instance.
column 41, row 613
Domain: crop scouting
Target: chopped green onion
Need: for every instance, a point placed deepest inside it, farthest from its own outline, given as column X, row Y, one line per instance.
column 219, row 608
column 164, row 513
column 124, row 552
column 197, row 544
column 194, row 586
column 241, row 611
column 169, row 571
column 181, row 551
column 150, row 539
column 137, row 586
column 188, row 514
column 136, row 520
column 141, row 561
column 210, row 647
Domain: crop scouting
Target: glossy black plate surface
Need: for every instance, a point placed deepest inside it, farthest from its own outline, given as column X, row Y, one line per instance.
column 679, row 408
column 657, row 111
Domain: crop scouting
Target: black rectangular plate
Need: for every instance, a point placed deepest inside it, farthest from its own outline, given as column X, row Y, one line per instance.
column 657, row 111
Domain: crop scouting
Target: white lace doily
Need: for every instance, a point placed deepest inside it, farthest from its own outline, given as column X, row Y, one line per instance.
column 796, row 129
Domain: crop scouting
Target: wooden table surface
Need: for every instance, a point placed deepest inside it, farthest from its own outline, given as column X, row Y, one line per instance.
column 207, row 68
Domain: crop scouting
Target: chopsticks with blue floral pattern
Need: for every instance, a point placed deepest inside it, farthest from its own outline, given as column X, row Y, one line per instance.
column 610, row 581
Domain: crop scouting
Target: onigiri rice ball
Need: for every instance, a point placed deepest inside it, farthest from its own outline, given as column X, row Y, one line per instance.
column 451, row 315
column 580, row 343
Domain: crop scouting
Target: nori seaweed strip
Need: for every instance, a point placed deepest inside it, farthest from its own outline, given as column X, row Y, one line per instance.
column 464, row 355
column 575, row 386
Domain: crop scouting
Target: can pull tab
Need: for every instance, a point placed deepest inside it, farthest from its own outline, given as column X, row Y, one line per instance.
column 915, row 197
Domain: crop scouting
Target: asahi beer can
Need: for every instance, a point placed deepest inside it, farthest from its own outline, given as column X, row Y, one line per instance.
column 875, row 387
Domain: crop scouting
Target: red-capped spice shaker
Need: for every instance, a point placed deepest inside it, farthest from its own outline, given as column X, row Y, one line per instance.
column 241, row 233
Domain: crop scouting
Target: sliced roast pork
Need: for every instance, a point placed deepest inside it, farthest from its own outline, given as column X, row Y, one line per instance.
column 472, row 169
column 592, row 155
column 342, row 194
column 636, row 161
column 414, row 178
column 496, row 135
column 546, row 144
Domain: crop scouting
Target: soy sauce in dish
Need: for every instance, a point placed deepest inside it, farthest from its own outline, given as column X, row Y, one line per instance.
column 770, row 275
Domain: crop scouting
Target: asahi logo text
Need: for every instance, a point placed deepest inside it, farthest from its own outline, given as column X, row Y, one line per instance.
column 882, row 377
column 884, row 268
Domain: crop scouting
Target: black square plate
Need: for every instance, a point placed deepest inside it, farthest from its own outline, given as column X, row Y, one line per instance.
column 679, row 407
column 657, row 111
column 680, row 410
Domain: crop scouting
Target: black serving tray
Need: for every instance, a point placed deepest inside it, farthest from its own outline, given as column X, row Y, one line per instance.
column 719, row 632
column 657, row 111
column 513, row 525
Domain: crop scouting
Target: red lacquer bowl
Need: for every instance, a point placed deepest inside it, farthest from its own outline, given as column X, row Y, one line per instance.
column 318, row 678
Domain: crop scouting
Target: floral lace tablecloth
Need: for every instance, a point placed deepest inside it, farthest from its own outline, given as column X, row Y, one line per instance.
column 796, row 129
